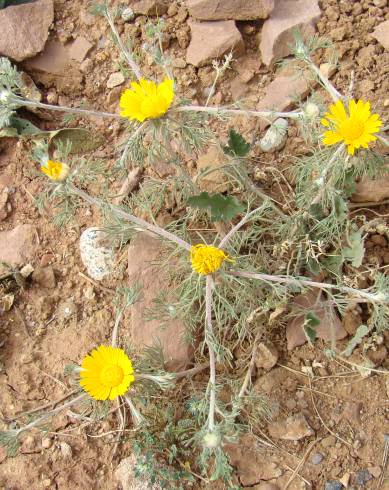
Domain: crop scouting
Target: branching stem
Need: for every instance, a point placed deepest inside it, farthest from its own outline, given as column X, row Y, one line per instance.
column 144, row 225
column 212, row 357
column 364, row 295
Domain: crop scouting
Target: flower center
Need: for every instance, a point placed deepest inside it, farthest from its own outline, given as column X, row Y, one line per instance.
column 352, row 129
column 111, row 375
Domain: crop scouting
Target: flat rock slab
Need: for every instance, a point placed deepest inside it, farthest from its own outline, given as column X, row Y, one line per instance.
column 230, row 9
column 24, row 29
column 212, row 40
column 330, row 327
column 381, row 33
column 369, row 190
column 143, row 252
column 18, row 246
column 277, row 31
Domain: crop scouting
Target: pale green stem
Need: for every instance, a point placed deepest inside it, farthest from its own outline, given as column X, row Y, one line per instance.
column 238, row 112
column 144, row 225
column 371, row 297
column 74, row 110
column 212, row 357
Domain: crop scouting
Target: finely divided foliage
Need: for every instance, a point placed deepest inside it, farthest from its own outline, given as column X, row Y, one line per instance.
column 226, row 282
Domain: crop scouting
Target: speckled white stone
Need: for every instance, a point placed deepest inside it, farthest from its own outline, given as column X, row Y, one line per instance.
column 275, row 137
column 97, row 258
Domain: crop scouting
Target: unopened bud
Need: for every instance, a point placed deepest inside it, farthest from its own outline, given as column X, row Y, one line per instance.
column 5, row 96
column 211, row 440
column 311, row 110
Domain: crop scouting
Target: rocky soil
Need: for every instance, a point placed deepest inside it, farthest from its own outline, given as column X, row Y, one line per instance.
column 329, row 423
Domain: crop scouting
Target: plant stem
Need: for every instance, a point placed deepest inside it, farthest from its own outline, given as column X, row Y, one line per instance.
column 144, row 225
column 30, row 103
column 130, row 60
column 237, row 112
column 237, row 227
column 212, row 357
column 335, row 94
column 36, row 422
column 321, row 181
column 373, row 298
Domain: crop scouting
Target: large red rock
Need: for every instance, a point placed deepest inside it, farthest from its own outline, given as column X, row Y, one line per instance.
column 281, row 94
column 18, row 246
column 230, row 9
column 53, row 67
column 24, row 29
column 143, row 252
column 277, row 31
column 370, row 190
column 212, row 40
column 330, row 327
column 381, row 33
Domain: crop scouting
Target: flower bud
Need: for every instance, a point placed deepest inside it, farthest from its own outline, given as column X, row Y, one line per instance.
column 311, row 111
column 211, row 440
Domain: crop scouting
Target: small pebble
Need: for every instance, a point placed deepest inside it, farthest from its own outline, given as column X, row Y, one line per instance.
column 333, row 485
column 128, row 14
column 362, row 477
column 115, row 79
column 46, row 443
column 275, row 137
column 317, row 458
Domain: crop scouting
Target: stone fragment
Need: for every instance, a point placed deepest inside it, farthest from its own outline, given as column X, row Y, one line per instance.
column 115, row 79
column 275, row 137
column 25, row 29
column 362, row 477
column 250, row 463
column 79, row 49
column 381, row 33
column 97, row 257
column 66, row 450
column 281, row 94
column 214, row 180
column 267, row 355
column 149, row 7
column 277, row 31
column 230, row 9
column 143, row 251
column 18, row 246
column 44, row 276
column 53, row 67
column 330, row 325
column 369, row 190
column 292, row 428
column 124, row 475
column 128, row 14
column 4, row 209
column 317, row 458
column 211, row 40
column 333, row 485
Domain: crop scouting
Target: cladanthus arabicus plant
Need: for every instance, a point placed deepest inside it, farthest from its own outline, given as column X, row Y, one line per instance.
column 252, row 257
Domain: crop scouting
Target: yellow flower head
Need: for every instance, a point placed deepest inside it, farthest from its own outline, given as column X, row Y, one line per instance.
column 207, row 259
column 147, row 100
column 56, row 170
column 106, row 373
column 355, row 129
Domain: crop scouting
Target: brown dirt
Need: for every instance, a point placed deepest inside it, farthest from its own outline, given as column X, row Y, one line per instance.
column 37, row 342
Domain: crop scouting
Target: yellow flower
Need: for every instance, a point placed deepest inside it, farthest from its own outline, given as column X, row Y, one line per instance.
column 146, row 100
column 56, row 170
column 355, row 129
column 106, row 373
column 207, row 259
